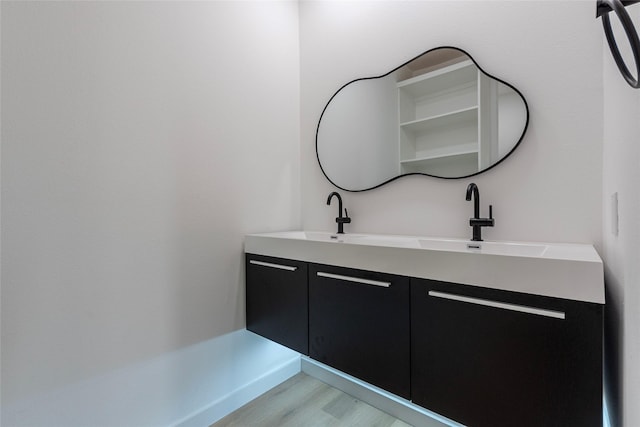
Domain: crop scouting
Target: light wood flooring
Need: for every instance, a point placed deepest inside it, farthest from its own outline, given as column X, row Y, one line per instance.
column 303, row 401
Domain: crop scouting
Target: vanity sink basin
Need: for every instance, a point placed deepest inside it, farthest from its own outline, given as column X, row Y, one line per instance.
column 357, row 239
column 563, row 270
column 490, row 248
column 434, row 244
column 380, row 240
column 308, row 235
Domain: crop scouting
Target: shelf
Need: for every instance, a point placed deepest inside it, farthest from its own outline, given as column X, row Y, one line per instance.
column 460, row 163
column 457, row 117
column 460, row 74
column 438, row 157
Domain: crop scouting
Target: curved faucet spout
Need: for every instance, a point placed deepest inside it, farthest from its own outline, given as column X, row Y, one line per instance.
column 473, row 189
column 339, row 202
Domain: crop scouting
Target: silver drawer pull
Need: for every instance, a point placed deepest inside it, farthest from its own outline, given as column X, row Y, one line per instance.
column 268, row 264
column 354, row 279
column 503, row 305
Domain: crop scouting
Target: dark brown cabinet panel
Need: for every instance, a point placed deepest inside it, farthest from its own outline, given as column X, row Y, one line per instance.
column 277, row 294
column 359, row 324
column 494, row 358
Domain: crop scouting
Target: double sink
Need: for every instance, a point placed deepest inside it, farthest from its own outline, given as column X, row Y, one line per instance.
column 454, row 245
column 571, row 271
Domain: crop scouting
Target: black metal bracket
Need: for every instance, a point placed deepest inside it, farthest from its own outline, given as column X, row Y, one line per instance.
column 603, row 8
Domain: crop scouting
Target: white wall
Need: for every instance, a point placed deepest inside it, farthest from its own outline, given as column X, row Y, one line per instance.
column 140, row 142
column 550, row 189
column 621, row 175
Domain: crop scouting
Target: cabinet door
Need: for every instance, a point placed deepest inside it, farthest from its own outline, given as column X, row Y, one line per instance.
column 494, row 358
column 277, row 300
column 359, row 324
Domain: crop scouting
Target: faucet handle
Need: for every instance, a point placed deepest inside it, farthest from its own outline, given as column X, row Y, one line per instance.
column 345, row 219
column 490, row 211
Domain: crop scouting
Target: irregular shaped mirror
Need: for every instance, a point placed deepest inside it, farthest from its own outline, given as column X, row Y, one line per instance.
column 438, row 115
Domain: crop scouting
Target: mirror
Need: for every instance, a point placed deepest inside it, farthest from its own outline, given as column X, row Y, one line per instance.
column 438, row 115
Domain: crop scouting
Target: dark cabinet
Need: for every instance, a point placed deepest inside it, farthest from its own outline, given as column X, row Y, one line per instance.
column 276, row 297
column 480, row 356
column 359, row 324
column 486, row 357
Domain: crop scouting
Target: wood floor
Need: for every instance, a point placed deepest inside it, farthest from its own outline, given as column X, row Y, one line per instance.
column 303, row 401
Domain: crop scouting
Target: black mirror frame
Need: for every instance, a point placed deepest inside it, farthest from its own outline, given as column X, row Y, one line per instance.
column 524, row 130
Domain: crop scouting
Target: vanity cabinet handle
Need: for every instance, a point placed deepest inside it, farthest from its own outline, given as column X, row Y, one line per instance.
column 271, row 265
column 498, row 304
column 354, row 279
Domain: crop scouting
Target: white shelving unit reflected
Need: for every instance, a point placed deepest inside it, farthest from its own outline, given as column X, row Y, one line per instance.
column 441, row 119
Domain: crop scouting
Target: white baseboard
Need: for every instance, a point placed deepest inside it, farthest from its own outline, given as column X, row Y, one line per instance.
column 241, row 396
column 398, row 407
column 192, row 386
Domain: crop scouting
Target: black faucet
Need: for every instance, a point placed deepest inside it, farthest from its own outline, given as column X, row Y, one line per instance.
column 476, row 222
column 341, row 220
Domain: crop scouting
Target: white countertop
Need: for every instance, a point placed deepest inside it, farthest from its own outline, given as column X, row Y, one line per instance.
column 562, row 270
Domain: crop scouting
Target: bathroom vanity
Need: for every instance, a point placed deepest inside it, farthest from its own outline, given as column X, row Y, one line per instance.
column 484, row 333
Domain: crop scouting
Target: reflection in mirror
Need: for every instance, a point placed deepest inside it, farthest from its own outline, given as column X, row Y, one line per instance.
column 437, row 115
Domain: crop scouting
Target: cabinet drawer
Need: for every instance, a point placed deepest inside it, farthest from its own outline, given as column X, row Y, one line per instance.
column 276, row 297
column 359, row 324
column 494, row 358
